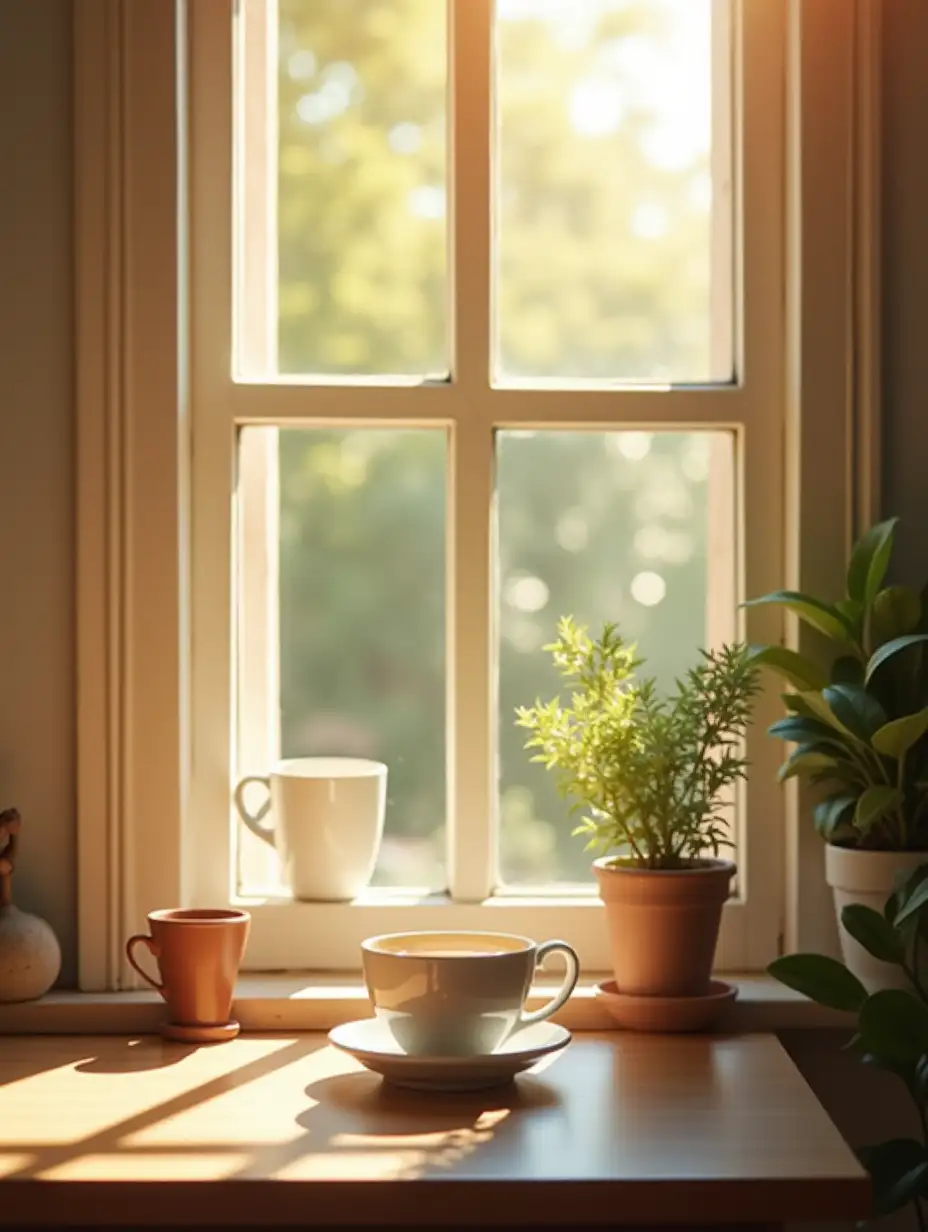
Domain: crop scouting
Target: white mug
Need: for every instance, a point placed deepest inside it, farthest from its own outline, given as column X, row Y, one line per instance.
column 327, row 821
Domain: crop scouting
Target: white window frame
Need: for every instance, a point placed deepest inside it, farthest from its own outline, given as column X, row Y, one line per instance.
column 157, row 412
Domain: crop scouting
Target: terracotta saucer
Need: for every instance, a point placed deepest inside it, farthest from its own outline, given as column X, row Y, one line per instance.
column 199, row 1035
column 666, row 1014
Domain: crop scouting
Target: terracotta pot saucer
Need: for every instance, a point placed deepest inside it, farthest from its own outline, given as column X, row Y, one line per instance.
column 200, row 1035
column 666, row 1015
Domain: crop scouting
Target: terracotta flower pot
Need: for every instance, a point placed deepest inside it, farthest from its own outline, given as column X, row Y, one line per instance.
column 868, row 877
column 663, row 926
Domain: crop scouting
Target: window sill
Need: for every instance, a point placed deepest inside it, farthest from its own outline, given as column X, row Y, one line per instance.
column 296, row 1001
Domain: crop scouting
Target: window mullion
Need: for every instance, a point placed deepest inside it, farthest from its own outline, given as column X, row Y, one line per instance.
column 470, row 653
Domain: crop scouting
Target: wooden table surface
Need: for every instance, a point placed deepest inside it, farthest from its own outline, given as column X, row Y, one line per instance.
column 618, row 1128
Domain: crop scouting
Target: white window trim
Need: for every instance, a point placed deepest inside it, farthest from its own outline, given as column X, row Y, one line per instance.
column 133, row 450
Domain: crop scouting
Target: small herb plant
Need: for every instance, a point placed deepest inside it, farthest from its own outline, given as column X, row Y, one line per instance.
column 858, row 717
column 892, row 1026
column 649, row 772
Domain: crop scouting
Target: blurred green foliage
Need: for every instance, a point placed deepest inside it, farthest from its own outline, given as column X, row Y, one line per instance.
column 603, row 270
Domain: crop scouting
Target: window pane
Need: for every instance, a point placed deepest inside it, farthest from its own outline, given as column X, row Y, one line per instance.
column 632, row 527
column 614, row 200
column 358, row 264
column 361, row 535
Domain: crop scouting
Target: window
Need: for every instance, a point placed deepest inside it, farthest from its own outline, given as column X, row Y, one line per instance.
column 472, row 314
column 505, row 342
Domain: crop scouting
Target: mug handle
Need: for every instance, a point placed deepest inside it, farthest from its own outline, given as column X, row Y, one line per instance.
column 253, row 820
column 570, row 980
column 152, row 949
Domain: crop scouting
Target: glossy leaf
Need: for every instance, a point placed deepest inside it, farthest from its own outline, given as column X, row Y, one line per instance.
column 885, row 653
column 822, row 616
column 806, row 759
column 819, row 708
column 894, row 739
column 795, row 703
column 894, row 1024
column 911, row 902
column 872, row 931
column 821, row 979
column 898, row 1169
column 855, row 709
column 831, row 813
column 895, row 612
column 790, row 665
column 869, row 561
column 797, row 729
column 874, row 804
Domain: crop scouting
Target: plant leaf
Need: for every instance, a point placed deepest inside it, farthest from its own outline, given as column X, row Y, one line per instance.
column 806, row 759
column 869, row 560
column 870, row 929
column 896, row 611
column 874, row 804
column 792, row 666
column 855, row 709
column 911, row 904
column 821, row 979
column 829, row 814
column 817, row 705
column 822, row 616
column 894, row 739
column 879, row 657
column 796, row 729
column 894, row 1024
column 897, row 1169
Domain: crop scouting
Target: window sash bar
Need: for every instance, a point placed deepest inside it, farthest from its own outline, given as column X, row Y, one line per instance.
column 470, row 652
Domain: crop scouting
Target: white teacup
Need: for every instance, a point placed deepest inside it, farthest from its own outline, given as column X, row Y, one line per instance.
column 327, row 821
column 457, row 993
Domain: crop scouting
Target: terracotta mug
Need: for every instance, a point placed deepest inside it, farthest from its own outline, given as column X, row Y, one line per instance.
column 198, row 952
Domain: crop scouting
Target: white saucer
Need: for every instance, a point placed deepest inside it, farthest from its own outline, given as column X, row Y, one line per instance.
column 369, row 1042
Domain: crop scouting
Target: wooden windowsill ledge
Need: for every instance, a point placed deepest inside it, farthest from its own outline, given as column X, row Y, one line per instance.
column 297, row 1001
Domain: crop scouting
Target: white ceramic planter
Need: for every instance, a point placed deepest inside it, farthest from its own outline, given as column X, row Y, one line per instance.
column 867, row 877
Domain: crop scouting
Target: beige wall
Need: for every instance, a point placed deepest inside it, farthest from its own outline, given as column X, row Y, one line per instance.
column 36, row 449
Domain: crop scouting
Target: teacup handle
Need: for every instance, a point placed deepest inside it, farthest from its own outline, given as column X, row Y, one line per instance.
column 570, row 980
column 152, row 949
column 253, row 820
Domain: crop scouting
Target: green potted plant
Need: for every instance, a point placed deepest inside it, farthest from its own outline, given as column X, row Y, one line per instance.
column 891, row 1026
column 857, row 716
column 649, row 774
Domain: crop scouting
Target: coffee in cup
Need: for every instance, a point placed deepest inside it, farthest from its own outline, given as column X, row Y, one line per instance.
column 457, row 993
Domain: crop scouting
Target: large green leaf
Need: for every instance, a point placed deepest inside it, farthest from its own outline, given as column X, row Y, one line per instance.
column 797, row 729
column 894, row 739
column 895, row 612
column 830, row 814
column 855, row 709
column 911, row 902
column 894, row 1024
column 875, row 934
column 869, row 560
column 822, row 616
column 816, row 705
column 874, row 804
column 897, row 1169
column 805, row 759
column 881, row 656
column 790, row 665
column 821, row 979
